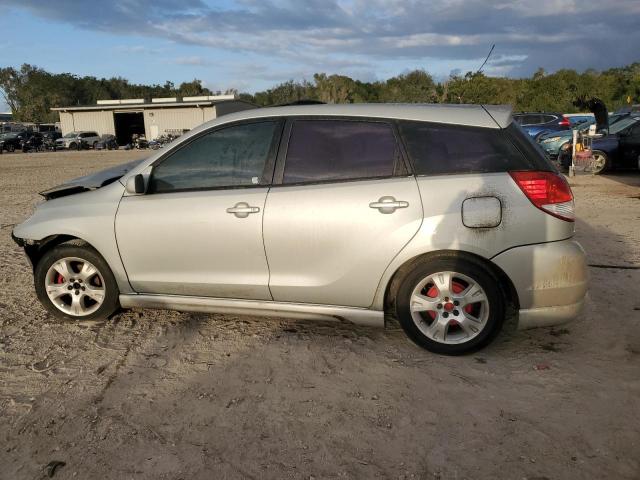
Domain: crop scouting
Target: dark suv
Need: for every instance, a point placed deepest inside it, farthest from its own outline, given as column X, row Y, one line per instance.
column 537, row 122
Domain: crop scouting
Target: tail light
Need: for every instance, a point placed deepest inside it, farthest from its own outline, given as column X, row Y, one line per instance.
column 564, row 122
column 548, row 191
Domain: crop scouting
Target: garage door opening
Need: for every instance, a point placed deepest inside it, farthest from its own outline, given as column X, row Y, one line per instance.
column 127, row 124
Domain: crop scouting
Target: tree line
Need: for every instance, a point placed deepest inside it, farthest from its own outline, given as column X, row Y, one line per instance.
column 30, row 91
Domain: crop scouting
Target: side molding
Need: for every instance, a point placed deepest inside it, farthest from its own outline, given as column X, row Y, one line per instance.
column 359, row 316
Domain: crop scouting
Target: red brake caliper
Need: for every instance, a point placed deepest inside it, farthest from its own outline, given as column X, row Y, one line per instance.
column 59, row 278
column 457, row 288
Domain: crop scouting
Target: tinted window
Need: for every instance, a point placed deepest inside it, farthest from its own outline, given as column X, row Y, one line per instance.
column 438, row 149
column 321, row 150
column 548, row 118
column 532, row 156
column 233, row 156
column 531, row 119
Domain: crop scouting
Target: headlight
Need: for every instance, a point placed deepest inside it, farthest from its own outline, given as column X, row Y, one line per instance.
column 551, row 139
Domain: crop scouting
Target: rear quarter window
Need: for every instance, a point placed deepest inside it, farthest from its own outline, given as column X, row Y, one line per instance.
column 436, row 149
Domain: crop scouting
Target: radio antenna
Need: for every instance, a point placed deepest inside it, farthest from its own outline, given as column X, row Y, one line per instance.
column 486, row 59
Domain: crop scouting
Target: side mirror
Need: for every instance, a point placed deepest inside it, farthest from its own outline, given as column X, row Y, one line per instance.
column 135, row 185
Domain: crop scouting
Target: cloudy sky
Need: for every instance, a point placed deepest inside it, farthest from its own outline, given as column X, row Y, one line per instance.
column 254, row 44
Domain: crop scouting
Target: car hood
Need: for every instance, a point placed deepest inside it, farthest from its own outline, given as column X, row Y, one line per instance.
column 90, row 182
column 598, row 108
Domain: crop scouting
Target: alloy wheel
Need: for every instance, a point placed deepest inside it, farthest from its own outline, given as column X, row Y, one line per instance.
column 449, row 307
column 599, row 162
column 75, row 286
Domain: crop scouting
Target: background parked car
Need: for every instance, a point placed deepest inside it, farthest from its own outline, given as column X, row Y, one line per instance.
column 576, row 119
column 76, row 140
column 554, row 142
column 12, row 141
column 536, row 122
column 49, row 140
column 32, row 142
column 107, row 142
column 618, row 149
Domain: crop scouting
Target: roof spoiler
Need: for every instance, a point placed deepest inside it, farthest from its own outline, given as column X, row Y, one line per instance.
column 501, row 114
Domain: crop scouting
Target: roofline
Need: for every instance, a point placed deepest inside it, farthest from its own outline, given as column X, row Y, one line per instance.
column 488, row 116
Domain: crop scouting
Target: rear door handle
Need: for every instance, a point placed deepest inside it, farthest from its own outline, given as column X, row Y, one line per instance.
column 388, row 204
column 242, row 209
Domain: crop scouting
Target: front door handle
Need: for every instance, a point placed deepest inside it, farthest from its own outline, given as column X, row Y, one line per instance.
column 388, row 204
column 242, row 210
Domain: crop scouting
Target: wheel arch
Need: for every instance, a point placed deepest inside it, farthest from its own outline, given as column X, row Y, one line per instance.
column 37, row 250
column 391, row 289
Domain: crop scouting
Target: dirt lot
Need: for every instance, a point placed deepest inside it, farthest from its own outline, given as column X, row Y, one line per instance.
column 154, row 394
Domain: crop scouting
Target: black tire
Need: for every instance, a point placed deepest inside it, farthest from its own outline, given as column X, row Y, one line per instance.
column 10, row 148
column 605, row 166
column 94, row 145
column 469, row 267
column 110, row 303
column 73, row 146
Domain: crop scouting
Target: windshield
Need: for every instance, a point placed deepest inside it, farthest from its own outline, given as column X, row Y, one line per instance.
column 71, row 135
column 622, row 124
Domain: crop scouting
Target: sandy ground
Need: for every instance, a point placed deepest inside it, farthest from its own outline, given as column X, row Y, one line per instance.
column 154, row 394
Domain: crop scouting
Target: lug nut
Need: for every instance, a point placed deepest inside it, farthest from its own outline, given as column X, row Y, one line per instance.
column 70, row 287
column 445, row 315
column 439, row 305
column 77, row 292
column 82, row 288
column 456, row 312
column 456, row 303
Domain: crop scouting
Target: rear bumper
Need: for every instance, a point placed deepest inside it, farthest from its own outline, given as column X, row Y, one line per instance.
column 548, row 316
column 550, row 279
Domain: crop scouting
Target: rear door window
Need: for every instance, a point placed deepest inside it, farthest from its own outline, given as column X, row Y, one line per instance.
column 334, row 150
column 436, row 149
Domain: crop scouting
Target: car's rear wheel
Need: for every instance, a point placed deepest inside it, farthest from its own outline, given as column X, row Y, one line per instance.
column 10, row 148
column 74, row 282
column 600, row 163
column 450, row 305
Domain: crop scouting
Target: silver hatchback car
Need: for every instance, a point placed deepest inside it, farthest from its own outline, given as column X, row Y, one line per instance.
column 440, row 215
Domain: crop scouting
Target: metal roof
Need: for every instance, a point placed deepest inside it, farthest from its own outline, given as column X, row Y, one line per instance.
column 143, row 106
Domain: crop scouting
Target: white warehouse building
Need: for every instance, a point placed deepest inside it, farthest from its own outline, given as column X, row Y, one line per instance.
column 124, row 118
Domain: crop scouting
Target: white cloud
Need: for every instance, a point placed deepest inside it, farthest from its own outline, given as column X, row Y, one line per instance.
column 542, row 32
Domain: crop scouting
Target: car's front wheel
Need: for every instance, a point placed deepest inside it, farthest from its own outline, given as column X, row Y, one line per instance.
column 450, row 305
column 74, row 282
column 600, row 163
